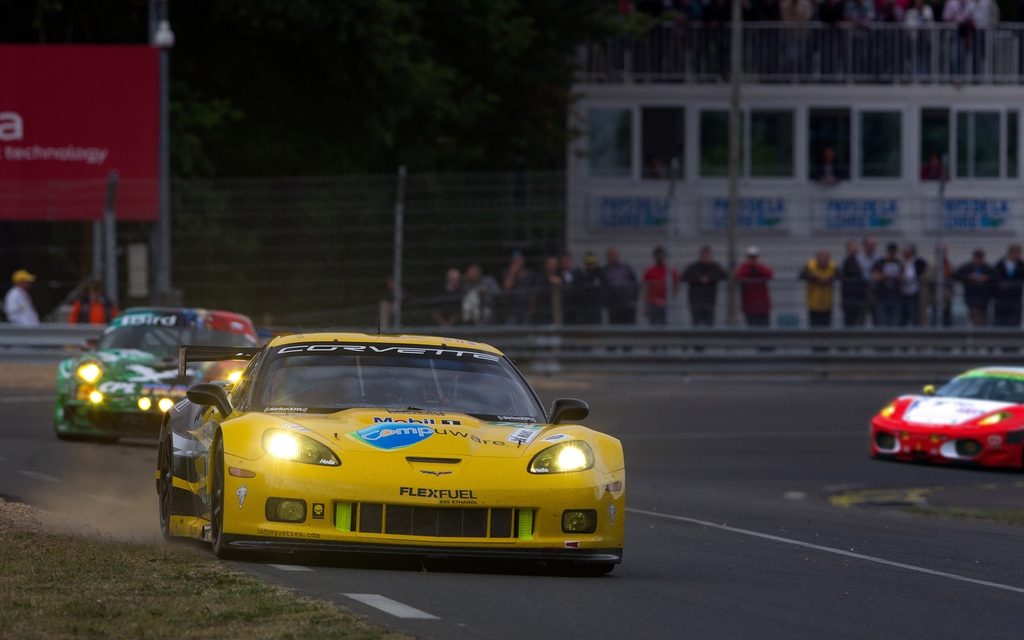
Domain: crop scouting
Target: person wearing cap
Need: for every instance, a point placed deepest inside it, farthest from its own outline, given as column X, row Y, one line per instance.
column 753, row 278
column 93, row 307
column 17, row 303
column 820, row 275
column 655, row 289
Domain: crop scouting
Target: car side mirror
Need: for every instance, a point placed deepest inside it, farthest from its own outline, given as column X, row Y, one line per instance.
column 212, row 395
column 929, row 390
column 568, row 410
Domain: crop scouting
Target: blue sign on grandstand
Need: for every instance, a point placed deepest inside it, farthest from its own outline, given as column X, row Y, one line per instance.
column 629, row 212
column 855, row 214
column 755, row 214
column 971, row 214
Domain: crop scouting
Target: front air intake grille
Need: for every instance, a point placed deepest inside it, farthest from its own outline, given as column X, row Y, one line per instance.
column 430, row 522
column 402, row 520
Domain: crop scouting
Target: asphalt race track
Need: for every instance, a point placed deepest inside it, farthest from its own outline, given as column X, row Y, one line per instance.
column 730, row 531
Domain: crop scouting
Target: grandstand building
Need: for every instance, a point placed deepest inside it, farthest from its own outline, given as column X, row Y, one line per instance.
column 843, row 131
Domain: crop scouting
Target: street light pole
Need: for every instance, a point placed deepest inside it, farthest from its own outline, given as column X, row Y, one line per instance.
column 735, row 124
column 160, row 35
column 939, row 307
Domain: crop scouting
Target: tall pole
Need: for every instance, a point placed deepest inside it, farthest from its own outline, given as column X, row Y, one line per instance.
column 736, row 60
column 160, row 35
column 110, row 240
column 940, row 262
column 399, row 240
column 670, row 245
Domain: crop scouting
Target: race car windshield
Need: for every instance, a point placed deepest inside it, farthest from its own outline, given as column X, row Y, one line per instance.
column 482, row 385
column 163, row 342
column 985, row 388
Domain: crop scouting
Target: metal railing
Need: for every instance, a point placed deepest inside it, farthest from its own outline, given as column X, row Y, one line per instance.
column 46, row 341
column 810, row 52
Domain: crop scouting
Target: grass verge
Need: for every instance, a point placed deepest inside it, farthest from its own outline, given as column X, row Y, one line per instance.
column 1003, row 516
column 56, row 585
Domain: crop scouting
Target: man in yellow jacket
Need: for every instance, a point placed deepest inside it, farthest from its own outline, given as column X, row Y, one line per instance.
column 820, row 276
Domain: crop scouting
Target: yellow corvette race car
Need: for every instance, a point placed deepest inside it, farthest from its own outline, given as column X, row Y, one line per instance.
column 412, row 445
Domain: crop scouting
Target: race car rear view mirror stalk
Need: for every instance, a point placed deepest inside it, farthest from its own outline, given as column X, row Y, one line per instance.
column 209, row 394
column 568, row 410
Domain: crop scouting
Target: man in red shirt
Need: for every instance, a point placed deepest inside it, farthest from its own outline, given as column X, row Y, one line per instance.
column 655, row 298
column 753, row 278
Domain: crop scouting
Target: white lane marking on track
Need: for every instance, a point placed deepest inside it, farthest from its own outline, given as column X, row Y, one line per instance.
column 387, row 605
column 39, row 475
column 289, row 567
column 717, row 435
column 116, row 502
column 818, row 547
column 27, row 399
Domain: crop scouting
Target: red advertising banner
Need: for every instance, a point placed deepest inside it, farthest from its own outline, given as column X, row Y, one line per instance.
column 69, row 115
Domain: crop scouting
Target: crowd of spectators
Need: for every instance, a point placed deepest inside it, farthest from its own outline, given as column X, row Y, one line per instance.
column 896, row 287
column 967, row 14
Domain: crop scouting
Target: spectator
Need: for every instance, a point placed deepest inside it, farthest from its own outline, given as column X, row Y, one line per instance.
column 958, row 12
column 570, row 298
column 830, row 12
column 796, row 10
column 889, row 11
column 18, row 303
column 854, row 288
column 1009, row 283
column 702, row 278
column 753, row 278
column 978, row 279
column 654, row 168
column 549, row 294
column 517, row 283
column 690, row 11
column 93, row 307
column 590, row 286
column 932, row 170
column 820, row 275
column 914, row 268
column 479, row 293
column 448, row 304
column 984, row 16
column 623, row 289
column 655, row 289
column 948, row 278
column 827, row 172
column 767, row 10
column 887, row 274
column 919, row 15
column 716, row 14
column 861, row 13
column 867, row 259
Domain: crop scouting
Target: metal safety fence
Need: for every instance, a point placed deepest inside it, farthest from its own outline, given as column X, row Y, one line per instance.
column 810, row 52
column 933, row 353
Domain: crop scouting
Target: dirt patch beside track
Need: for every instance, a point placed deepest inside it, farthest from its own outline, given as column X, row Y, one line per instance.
column 26, row 375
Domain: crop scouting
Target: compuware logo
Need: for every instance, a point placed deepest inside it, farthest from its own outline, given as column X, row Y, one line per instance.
column 395, row 435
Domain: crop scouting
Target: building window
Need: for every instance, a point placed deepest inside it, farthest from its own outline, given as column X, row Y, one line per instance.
column 714, row 144
column 977, row 144
column 1011, row 144
column 829, row 145
column 610, row 142
column 880, row 144
column 771, row 144
column 934, row 142
column 663, row 130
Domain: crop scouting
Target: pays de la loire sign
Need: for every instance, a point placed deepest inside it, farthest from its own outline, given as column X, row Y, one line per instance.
column 69, row 116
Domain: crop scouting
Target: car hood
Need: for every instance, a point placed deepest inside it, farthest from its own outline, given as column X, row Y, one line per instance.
column 949, row 411
column 129, row 372
column 428, row 434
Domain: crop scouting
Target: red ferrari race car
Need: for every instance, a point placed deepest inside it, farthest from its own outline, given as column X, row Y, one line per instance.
column 975, row 419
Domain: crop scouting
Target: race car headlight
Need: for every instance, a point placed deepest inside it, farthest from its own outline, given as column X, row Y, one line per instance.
column 995, row 418
column 888, row 410
column 165, row 404
column 89, row 372
column 563, row 458
column 145, row 403
column 234, row 377
column 298, row 448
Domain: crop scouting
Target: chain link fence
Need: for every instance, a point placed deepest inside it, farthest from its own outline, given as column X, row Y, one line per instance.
column 319, row 251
